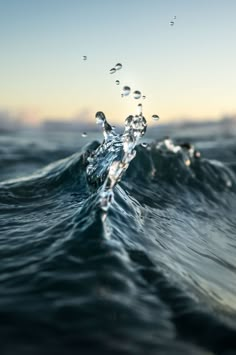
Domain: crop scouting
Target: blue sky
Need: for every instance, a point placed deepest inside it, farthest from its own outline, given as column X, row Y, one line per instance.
column 185, row 71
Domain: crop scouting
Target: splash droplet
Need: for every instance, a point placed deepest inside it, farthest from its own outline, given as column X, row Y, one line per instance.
column 139, row 109
column 174, row 17
column 125, row 91
column 112, row 70
column 84, row 134
column 172, row 23
column 136, row 94
column 100, row 117
column 143, row 97
column 84, row 57
column 155, row 117
column 118, row 66
column 144, row 145
column 117, row 82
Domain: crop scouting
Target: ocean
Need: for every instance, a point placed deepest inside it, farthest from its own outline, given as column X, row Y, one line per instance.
column 108, row 251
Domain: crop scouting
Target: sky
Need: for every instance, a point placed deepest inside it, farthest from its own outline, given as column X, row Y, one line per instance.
column 186, row 71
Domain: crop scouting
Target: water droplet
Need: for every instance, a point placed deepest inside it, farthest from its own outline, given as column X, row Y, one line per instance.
column 100, row 117
column 112, row 70
column 139, row 109
column 117, row 82
column 84, row 134
column 118, row 66
column 143, row 97
column 125, row 91
column 137, row 94
column 172, row 23
column 144, row 145
column 155, row 117
column 174, row 17
column 84, row 57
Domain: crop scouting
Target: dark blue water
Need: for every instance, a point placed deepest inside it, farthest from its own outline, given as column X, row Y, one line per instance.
column 157, row 276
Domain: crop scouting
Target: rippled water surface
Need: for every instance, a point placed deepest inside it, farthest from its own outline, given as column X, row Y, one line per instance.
column 148, row 270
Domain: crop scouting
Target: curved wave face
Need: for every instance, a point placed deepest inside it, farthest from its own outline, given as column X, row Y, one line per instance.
column 108, row 252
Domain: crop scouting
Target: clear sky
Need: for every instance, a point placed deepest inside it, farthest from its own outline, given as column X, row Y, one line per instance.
column 187, row 70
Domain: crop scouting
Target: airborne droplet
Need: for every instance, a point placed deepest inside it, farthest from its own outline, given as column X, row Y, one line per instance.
column 84, row 57
column 137, row 94
column 84, row 134
column 117, row 82
column 125, row 91
column 155, row 117
column 174, row 17
column 139, row 109
column 144, row 145
column 112, row 70
column 118, row 66
column 143, row 97
column 172, row 23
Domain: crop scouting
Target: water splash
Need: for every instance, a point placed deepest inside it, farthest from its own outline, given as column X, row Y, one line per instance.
column 117, row 82
column 84, row 57
column 108, row 163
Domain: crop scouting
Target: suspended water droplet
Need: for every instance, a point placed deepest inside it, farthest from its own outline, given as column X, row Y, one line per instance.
column 112, row 70
column 136, row 94
column 118, row 66
column 172, row 23
column 125, row 91
column 174, row 17
column 84, row 134
column 155, row 117
column 84, row 57
column 139, row 109
column 144, row 145
column 117, row 82
column 143, row 97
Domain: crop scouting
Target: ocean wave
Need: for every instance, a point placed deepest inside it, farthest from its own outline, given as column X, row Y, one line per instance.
column 141, row 275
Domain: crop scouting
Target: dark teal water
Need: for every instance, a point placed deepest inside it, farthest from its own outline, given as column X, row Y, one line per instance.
column 157, row 276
